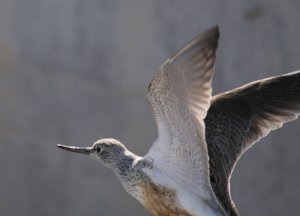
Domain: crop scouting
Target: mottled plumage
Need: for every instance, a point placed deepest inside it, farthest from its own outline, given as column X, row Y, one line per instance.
column 239, row 118
column 199, row 137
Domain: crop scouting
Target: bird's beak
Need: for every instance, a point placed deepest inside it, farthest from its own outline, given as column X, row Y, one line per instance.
column 83, row 150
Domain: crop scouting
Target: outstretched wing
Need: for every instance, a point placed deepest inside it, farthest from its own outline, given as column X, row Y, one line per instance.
column 180, row 95
column 239, row 118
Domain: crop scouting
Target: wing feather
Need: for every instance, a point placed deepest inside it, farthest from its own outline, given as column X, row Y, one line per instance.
column 180, row 95
column 239, row 118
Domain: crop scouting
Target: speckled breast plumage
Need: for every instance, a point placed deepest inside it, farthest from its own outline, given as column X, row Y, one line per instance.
column 159, row 200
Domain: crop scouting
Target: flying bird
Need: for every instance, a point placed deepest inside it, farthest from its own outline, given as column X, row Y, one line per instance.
column 200, row 138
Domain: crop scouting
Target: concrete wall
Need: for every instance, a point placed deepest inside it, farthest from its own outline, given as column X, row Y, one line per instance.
column 73, row 71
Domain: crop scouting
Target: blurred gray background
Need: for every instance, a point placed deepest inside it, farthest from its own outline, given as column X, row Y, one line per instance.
column 73, row 71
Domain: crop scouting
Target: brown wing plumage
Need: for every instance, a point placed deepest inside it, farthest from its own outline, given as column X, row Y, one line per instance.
column 196, row 62
column 239, row 118
column 180, row 95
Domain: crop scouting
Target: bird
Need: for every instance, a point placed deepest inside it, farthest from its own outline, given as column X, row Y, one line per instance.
column 200, row 137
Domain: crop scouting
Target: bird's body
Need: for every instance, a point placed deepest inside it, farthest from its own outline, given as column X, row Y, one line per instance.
column 159, row 193
column 199, row 137
column 162, row 197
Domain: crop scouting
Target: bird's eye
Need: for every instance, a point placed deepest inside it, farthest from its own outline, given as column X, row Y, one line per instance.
column 98, row 149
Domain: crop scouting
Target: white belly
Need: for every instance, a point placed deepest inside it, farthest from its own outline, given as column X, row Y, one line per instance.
column 185, row 200
column 195, row 206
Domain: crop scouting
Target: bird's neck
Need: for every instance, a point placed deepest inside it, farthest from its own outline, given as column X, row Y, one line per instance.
column 125, row 164
column 130, row 174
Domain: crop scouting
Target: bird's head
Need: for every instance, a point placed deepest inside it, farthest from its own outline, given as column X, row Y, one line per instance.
column 109, row 152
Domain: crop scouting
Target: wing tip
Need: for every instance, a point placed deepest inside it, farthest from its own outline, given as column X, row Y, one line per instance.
column 209, row 37
column 212, row 32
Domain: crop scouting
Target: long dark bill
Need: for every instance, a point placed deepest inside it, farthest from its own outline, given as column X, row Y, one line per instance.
column 82, row 150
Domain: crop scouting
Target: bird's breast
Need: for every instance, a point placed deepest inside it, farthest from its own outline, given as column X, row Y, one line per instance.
column 161, row 201
column 158, row 199
column 163, row 197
